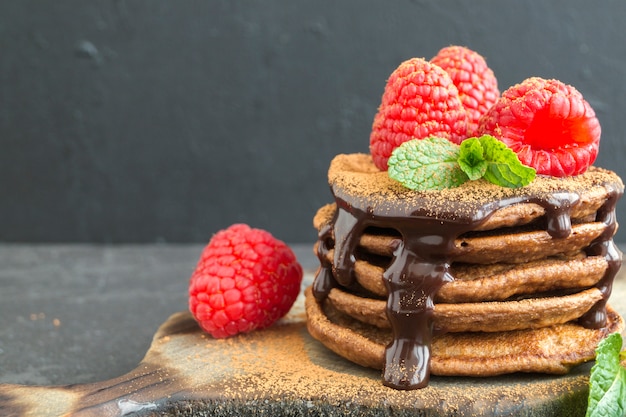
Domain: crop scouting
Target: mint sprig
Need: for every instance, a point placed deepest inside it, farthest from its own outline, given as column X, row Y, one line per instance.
column 499, row 164
column 427, row 164
column 436, row 163
column 472, row 160
column 607, row 384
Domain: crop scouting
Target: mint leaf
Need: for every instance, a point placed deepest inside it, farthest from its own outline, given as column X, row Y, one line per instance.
column 472, row 158
column 426, row 164
column 607, row 384
column 503, row 166
column 436, row 163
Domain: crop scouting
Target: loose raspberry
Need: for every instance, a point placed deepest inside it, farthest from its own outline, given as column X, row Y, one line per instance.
column 245, row 280
column 476, row 82
column 420, row 100
column 548, row 124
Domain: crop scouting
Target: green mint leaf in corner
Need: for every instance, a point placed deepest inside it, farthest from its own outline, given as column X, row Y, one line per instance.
column 498, row 164
column 607, row 384
column 426, row 164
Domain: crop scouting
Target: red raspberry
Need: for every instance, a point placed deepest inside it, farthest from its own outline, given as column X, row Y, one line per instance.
column 548, row 124
column 245, row 280
column 420, row 100
column 476, row 82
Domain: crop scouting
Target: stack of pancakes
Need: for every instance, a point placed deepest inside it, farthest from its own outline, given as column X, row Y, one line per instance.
column 526, row 272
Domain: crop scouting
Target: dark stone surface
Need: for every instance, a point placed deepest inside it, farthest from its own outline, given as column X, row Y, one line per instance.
column 86, row 313
column 150, row 121
column 108, row 303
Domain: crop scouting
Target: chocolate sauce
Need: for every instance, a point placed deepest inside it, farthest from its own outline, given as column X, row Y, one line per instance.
column 421, row 261
column 604, row 246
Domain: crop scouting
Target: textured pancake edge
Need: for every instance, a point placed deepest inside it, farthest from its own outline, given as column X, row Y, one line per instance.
column 509, row 246
column 515, row 279
column 467, row 354
column 495, row 316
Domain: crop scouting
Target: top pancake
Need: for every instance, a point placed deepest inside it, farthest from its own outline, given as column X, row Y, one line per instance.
column 354, row 177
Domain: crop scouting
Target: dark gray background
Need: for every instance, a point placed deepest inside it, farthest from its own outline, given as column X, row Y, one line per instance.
column 152, row 121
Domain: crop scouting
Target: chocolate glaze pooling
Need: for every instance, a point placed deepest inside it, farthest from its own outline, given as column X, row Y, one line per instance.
column 421, row 261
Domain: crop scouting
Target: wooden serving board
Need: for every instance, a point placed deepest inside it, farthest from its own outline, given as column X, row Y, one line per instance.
column 282, row 371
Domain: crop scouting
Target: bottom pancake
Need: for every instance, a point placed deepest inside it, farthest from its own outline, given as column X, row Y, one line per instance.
column 553, row 350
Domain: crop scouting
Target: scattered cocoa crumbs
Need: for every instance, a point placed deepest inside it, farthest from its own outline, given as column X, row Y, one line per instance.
column 356, row 175
column 283, row 366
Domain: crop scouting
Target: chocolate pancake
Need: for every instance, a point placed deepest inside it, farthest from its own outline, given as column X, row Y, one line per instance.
column 497, row 316
column 447, row 279
column 355, row 175
column 512, row 245
column 553, row 349
column 475, row 283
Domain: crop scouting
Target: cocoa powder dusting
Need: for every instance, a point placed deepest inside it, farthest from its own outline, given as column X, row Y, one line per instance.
column 358, row 176
column 285, row 364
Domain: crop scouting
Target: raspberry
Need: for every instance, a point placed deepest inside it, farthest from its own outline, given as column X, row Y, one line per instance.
column 548, row 124
column 420, row 100
column 245, row 280
column 476, row 82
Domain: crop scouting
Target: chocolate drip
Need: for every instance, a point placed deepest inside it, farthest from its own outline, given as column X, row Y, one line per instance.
column 412, row 280
column 345, row 229
column 421, row 261
column 558, row 207
column 604, row 246
column 324, row 280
